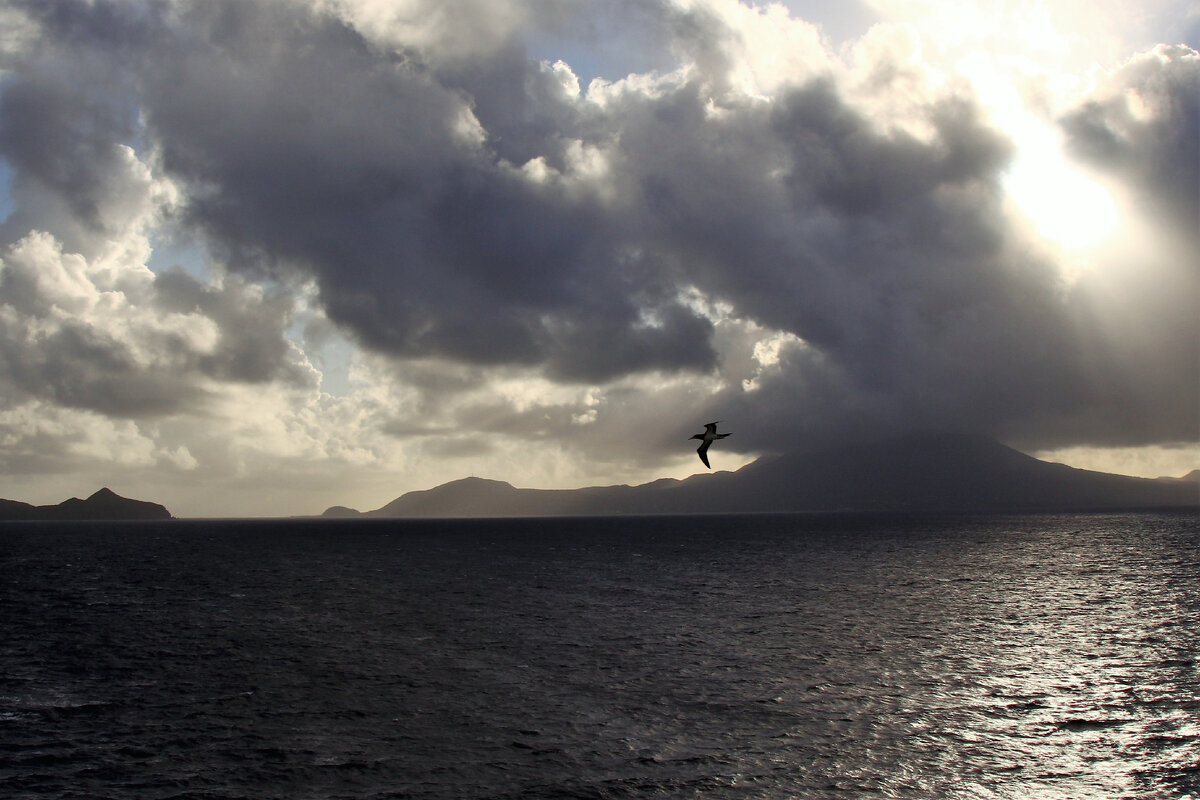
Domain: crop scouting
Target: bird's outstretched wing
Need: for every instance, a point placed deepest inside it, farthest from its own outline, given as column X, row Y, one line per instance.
column 711, row 427
column 702, row 451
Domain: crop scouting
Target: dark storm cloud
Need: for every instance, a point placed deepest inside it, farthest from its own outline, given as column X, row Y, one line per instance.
column 66, row 126
column 314, row 150
column 62, row 134
column 887, row 253
column 473, row 209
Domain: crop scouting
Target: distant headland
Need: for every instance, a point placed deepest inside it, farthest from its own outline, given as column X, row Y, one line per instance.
column 102, row 506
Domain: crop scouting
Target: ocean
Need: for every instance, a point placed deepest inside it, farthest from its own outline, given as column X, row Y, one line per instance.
column 742, row 656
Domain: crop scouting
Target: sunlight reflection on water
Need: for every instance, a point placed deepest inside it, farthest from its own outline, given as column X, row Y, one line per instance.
column 1070, row 672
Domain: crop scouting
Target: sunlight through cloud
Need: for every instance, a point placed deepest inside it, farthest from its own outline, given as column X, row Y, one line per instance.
column 1062, row 202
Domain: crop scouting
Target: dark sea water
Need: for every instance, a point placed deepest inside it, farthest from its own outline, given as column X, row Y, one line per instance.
column 716, row 657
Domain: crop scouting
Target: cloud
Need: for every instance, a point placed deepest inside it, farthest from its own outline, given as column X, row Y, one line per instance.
column 367, row 172
column 44, row 439
column 821, row 243
column 250, row 320
column 1141, row 125
column 119, row 340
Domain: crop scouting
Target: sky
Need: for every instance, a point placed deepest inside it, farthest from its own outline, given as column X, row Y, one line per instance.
column 261, row 257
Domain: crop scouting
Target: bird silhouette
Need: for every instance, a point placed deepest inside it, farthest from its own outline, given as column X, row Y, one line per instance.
column 706, row 438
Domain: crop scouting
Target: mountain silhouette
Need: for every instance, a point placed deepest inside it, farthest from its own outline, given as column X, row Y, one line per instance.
column 103, row 505
column 917, row 473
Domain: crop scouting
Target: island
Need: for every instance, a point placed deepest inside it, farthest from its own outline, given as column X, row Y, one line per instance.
column 104, row 505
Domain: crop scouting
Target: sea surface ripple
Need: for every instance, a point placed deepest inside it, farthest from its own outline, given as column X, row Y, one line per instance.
column 793, row 656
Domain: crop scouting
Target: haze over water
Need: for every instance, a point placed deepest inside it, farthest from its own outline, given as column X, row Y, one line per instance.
column 805, row 656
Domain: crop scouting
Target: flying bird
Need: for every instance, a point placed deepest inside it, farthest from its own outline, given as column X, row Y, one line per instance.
column 706, row 438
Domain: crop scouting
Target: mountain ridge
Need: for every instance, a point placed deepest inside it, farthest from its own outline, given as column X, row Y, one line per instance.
column 917, row 473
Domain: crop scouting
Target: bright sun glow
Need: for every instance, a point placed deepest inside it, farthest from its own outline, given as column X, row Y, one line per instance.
column 1062, row 202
